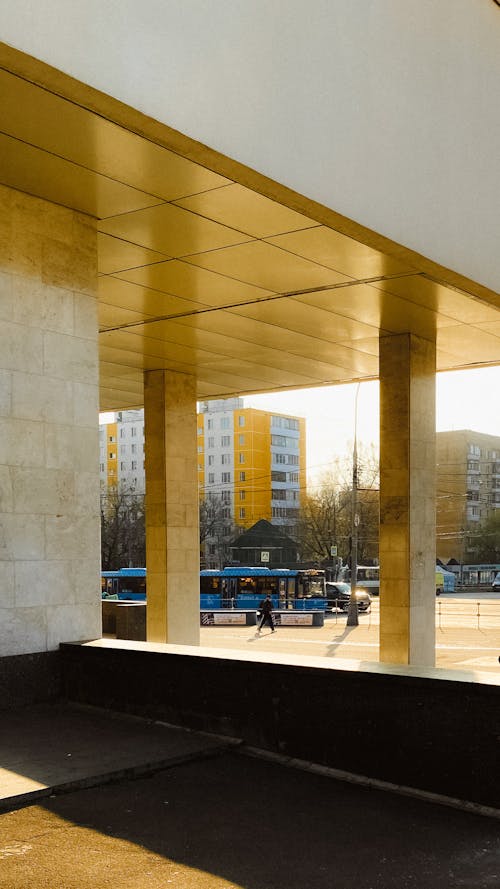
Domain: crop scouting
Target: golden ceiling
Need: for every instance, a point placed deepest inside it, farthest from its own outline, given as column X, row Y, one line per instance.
column 201, row 273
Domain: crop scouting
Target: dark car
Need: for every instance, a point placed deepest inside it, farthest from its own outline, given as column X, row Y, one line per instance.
column 339, row 594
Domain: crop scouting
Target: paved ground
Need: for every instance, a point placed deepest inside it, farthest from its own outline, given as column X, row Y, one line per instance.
column 464, row 641
column 224, row 822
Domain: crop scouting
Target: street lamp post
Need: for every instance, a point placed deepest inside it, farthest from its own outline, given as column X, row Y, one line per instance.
column 352, row 612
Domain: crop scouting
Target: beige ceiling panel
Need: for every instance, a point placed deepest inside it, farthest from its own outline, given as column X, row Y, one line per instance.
column 389, row 313
column 63, row 128
column 114, row 400
column 135, row 388
column 172, row 349
column 250, row 338
column 329, row 248
column 268, row 376
column 171, row 230
column 198, row 284
column 46, row 176
column 247, row 211
column 469, row 345
column 369, row 346
column 128, row 359
column 305, row 317
column 113, row 316
column 152, row 303
column 265, row 266
column 492, row 327
column 452, row 304
column 115, row 255
column 255, row 334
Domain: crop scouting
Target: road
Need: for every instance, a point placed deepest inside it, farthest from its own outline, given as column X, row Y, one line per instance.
column 467, row 635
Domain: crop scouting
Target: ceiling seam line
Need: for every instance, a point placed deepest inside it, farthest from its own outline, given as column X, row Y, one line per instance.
column 284, row 295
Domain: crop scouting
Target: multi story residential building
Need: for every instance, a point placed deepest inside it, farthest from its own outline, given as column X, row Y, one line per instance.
column 468, row 489
column 251, row 460
column 121, row 453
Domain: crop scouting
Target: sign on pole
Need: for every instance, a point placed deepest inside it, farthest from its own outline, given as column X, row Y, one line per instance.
column 333, row 550
column 264, row 556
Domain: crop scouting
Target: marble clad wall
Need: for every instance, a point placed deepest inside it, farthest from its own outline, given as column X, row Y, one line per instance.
column 172, row 509
column 49, row 482
column 407, row 500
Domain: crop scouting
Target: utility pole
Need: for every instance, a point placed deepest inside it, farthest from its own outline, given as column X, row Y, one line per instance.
column 352, row 612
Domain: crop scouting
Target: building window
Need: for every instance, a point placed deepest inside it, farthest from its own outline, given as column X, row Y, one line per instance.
column 293, row 460
column 112, row 455
column 133, row 431
column 243, row 495
column 133, row 448
column 225, row 441
column 122, row 432
column 241, row 439
column 242, row 476
column 278, row 494
column 210, row 424
column 226, row 496
column 241, row 421
column 226, row 512
column 211, row 441
column 226, row 478
column 225, row 459
column 293, row 476
column 123, row 466
column 279, row 458
column 224, row 422
column 112, row 438
column 242, row 458
column 211, row 478
column 211, row 460
column 101, row 467
column 134, row 464
column 277, row 476
column 242, row 512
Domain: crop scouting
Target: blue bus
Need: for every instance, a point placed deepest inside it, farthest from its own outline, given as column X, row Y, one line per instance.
column 128, row 584
column 235, row 588
column 244, row 588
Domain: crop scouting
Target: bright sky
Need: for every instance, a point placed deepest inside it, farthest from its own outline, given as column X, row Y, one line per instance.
column 465, row 399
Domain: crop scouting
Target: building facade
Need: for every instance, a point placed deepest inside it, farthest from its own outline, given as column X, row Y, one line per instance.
column 121, row 453
column 251, row 461
column 468, row 490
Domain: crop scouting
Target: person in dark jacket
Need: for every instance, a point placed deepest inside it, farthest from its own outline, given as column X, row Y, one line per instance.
column 266, row 611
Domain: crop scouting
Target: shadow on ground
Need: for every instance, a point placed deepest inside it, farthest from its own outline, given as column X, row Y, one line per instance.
column 233, row 821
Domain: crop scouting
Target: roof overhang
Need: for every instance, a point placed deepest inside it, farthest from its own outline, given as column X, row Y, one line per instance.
column 208, row 268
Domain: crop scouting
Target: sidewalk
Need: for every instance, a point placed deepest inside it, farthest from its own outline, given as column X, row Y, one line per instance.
column 213, row 818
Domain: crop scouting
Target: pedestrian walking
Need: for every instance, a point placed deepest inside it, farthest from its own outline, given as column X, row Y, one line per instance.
column 266, row 614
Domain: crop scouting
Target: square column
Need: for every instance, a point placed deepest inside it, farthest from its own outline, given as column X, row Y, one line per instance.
column 49, row 422
column 172, row 511
column 407, row 500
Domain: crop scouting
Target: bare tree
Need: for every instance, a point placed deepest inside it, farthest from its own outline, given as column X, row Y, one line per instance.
column 123, row 543
column 325, row 515
column 216, row 531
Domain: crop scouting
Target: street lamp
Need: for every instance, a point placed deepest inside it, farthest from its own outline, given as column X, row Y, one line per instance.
column 352, row 611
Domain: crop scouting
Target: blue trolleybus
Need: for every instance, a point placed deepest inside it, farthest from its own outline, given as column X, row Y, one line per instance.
column 241, row 587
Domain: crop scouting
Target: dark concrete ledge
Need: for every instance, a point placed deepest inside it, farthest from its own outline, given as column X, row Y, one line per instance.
column 433, row 730
column 29, row 679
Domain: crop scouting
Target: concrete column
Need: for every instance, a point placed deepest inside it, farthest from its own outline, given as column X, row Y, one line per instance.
column 172, row 512
column 49, row 426
column 407, row 500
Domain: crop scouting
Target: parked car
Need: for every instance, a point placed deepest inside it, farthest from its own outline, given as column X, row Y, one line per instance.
column 496, row 582
column 339, row 594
